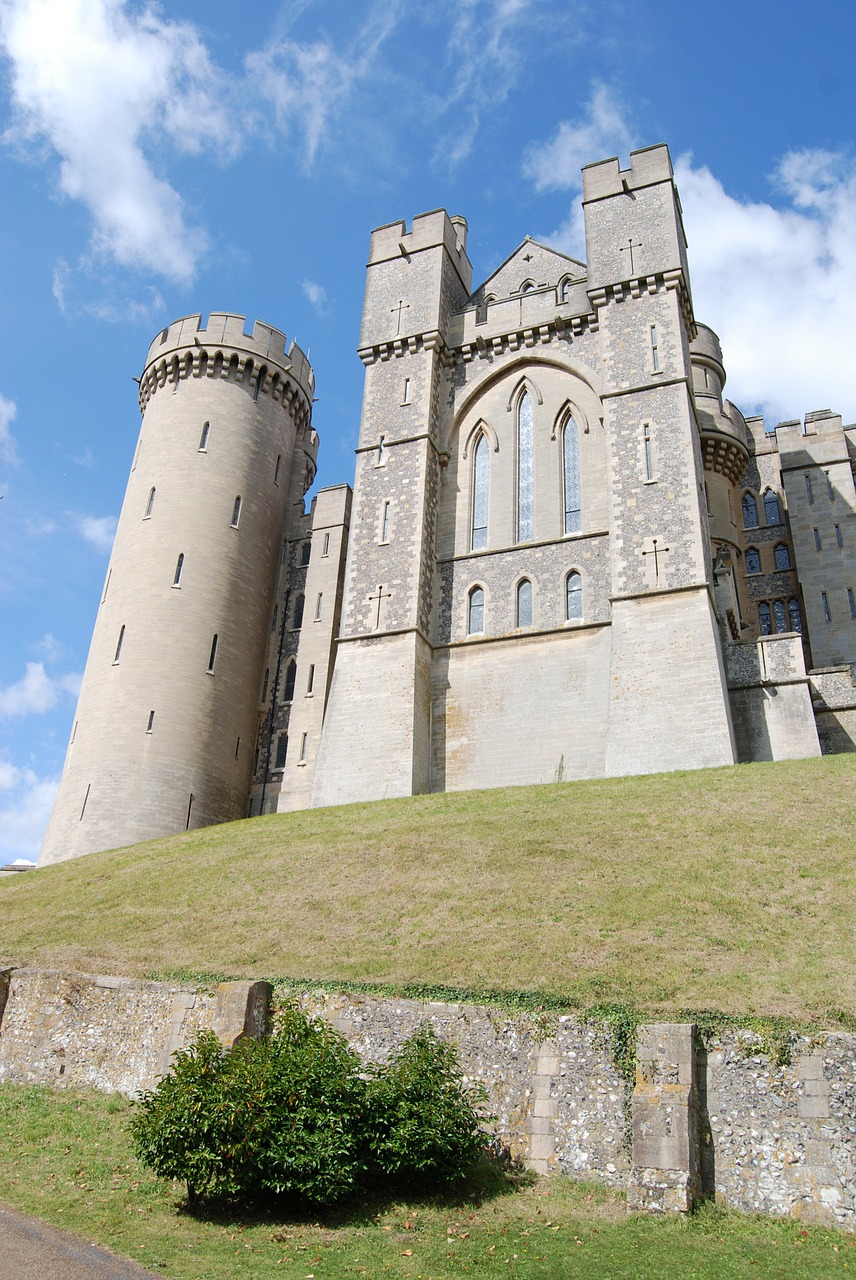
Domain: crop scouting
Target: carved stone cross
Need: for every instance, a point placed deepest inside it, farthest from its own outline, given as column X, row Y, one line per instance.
column 380, row 597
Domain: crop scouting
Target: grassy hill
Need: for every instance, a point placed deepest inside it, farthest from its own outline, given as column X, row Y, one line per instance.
column 730, row 889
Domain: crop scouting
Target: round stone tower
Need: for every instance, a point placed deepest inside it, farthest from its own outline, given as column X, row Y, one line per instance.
column 165, row 729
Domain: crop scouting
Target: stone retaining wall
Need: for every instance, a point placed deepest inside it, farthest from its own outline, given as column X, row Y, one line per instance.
column 723, row 1121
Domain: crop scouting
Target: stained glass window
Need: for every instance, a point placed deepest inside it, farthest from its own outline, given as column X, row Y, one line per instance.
column 480, row 480
column 766, row 619
column 753, row 560
column 771, row 508
column 795, row 616
column 475, row 621
column 574, row 597
column 290, row 678
column 750, row 512
column 783, row 556
column 525, row 503
column 571, row 469
column 524, row 603
column 780, row 615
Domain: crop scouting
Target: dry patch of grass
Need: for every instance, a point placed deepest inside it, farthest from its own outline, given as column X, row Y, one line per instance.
column 728, row 888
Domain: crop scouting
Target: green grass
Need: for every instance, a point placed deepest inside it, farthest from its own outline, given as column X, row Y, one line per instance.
column 67, row 1158
column 731, row 889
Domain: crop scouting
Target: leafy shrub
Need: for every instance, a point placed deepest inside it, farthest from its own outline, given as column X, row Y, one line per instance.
column 295, row 1113
column 422, row 1121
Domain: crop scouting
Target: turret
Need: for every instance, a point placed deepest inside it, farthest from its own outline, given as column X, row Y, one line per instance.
column 226, row 445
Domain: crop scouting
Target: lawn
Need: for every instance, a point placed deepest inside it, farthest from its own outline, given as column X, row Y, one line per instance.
column 66, row 1157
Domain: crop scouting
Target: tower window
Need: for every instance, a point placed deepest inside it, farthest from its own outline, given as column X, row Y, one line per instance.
column 771, row 508
column 525, row 486
column 384, row 532
column 290, row 678
column 824, row 600
column 276, row 468
column 151, row 724
column 765, row 619
column 475, row 612
column 236, row 512
column 571, row 476
column 325, row 550
column 405, row 395
column 817, row 543
column 829, row 489
column 318, row 604
column 838, row 538
column 303, row 748
column 808, row 489
column 750, row 511
column 203, row 439
column 212, row 657
column 119, row 643
column 297, row 619
column 782, row 556
column 480, row 484
column 655, row 349
column 780, row 616
column 265, row 684
column 179, row 565
column 150, row 504
column 524, row 603
column 753, row 560
column 852, row 602
column 794, row 616
column 106, row 585
column 281, row 751
column 381, row 453
column 311, row 681
column 274, row 617
column 305, row 552
column 574, row 597
column 648, row 449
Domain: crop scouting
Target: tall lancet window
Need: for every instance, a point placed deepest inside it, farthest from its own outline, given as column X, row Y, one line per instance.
column 525, row 487
column 571, row 474
column 480, row 483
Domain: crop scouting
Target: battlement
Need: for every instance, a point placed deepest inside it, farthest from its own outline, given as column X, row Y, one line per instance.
column 820, row 441
column 607, row 178
column 227, row 332
column 429, row 231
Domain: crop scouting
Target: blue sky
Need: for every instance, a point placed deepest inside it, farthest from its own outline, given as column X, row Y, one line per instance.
column 162, row 160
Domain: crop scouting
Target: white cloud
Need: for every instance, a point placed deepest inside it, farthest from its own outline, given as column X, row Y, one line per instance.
column 39, row 527
column 102, row 86
column 36, row 692
column 99, row 531
column 775, row 279
column 24, row 812
column 316, row 294
column 8, row 413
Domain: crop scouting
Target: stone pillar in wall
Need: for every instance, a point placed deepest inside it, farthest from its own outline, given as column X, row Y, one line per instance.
column 665, row 1173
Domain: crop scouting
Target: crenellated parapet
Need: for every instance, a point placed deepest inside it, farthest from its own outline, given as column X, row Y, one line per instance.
column 261, row 361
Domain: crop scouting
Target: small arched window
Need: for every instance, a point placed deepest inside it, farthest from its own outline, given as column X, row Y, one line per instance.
column 782, row 555
column 750, row 511
column 297, row 620
column 475, row 612
column 765, row 619
column 281, row 750
column 564, row 291
column 571, row 476
column 771, row 508
column 290, row 678
column 150, row 504
column 573, row 597
column 179, row 565
column 524, row 603
column 794, row 616
column 780, row 615
column 753, row 560
column 203, row 439
column 212, row 657
column 481, row 458
column 236, row 512
column 119, row 643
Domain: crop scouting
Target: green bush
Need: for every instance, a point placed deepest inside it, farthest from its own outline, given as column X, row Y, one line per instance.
column 295, row 1112
column 422, row 1121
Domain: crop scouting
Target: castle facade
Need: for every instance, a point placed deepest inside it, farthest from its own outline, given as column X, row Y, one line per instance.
column 565, row 555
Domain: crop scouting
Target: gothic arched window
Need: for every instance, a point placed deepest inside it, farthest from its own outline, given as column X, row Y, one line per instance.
column 290, row 677
column 765, row 618
column 794, row 616
column 780, row 615
column 525, row 468
column 753, row 560
column 750, row 511
column 571, row 476
column 150, row 504
column 771, row 508
column 475, row 612
column 524, row 603
column 782, row 554
column 297, row 618
column 480, row 489
column 573, row 597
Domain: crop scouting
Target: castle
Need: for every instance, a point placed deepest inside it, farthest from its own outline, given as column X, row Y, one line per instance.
column 565, row 555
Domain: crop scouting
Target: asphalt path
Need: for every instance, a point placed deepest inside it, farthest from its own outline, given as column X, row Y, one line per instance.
column 31, row 1250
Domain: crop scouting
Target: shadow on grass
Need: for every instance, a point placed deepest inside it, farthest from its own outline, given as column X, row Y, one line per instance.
column 492, row 1177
